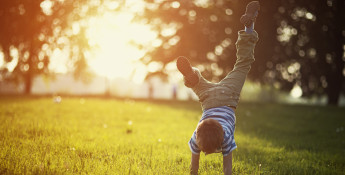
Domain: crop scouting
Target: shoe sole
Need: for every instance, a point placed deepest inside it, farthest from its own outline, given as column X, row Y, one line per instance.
column 184, row 66
column 186, row 69
column 249, row 17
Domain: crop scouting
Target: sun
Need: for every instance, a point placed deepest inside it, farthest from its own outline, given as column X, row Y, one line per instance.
column 111, row 37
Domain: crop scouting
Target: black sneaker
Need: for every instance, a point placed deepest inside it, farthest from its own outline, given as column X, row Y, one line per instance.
column 187, row 71
column 251, row 13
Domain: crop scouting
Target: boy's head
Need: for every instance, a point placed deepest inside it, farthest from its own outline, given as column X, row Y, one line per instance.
column 209, row 136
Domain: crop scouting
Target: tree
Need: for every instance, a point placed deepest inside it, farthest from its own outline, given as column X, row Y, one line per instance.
column 310, row 52
column 32, row 30
column 203, row 32
column 24, row 27
column 301, row 42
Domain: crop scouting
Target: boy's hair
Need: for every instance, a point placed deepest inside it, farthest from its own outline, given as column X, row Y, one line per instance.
column 209, row 135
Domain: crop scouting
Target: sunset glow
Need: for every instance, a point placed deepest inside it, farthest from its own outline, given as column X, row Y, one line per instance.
column 114, row 41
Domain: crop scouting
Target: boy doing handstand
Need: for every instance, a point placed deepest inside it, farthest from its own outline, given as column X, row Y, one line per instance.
column 215, row 130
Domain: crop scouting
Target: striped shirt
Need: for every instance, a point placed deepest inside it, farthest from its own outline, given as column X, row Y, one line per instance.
column 226, row 117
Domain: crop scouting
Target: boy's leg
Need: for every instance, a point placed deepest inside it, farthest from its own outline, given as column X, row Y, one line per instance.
column 245, row 50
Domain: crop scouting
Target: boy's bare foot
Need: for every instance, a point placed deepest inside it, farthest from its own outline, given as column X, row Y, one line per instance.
column 251, row 13
column 186, row 69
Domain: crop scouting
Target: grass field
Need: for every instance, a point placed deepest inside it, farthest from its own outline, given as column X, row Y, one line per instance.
column 107, row 136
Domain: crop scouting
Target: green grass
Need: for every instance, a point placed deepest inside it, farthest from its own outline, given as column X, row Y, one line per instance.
column 41, row 137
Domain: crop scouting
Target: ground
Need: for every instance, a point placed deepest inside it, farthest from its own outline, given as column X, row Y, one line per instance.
column 109, row 136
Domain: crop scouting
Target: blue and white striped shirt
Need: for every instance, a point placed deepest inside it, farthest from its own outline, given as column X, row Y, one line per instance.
column 226, row 117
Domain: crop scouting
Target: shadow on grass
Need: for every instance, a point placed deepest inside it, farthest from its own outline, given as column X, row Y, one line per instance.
column 308, row 139
column 312, row 128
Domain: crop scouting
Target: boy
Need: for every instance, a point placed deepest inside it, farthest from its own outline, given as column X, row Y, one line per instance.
column 215, row 130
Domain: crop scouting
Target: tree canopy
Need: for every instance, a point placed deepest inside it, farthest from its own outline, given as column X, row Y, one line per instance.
column 301, row 42
column 32, row 30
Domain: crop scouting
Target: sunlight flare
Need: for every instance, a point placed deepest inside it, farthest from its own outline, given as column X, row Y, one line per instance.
column 296, row 91
column 114, row 40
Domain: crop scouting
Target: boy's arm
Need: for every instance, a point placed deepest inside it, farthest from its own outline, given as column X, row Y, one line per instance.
column 194, row 165
column 227, row 164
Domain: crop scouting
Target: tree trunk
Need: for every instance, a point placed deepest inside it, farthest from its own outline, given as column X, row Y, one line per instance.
column 336, row 78
column 28, row 76
column 28, row 84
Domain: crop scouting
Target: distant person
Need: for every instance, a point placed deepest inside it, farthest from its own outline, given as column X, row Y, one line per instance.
column 174, row 92
column 215, row 130
column 151, row 90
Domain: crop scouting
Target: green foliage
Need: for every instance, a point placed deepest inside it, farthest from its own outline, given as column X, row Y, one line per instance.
column 90, row 136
